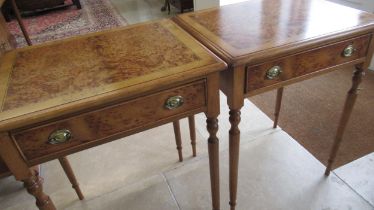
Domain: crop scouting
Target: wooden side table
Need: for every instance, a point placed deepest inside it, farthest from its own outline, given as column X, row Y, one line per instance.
column 270, row 44
column 66, row 96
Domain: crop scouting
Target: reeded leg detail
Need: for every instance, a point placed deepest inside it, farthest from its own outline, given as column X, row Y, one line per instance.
column 347, row 110
column 213, row 150
column 34, row 186
column 178, row 139
column 191, row 123
column 70, row 174
column 234, row 138
column 278, row 105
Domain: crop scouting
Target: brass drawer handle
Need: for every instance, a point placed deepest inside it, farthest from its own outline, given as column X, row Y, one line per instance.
column 348, row 51
column 174, row 102
column 274, row 72
column 59, row 136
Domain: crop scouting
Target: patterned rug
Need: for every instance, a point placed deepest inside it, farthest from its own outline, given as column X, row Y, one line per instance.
column 95, row 15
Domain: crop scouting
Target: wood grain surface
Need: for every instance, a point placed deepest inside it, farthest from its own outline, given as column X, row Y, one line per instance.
column 305, row 38
column 252, row 30
column 92, row 127
column 305, row 63
column 69, row 75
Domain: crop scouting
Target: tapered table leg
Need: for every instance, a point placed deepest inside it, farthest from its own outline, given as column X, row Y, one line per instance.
column 278, row 104
column 70, row 174
column 347, row 110
column 191, row 123
column 20, row 22
column 213, row 150
column 178, row 139
column 234, row 141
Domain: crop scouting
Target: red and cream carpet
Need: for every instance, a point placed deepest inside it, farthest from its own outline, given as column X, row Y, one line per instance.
column 95, row 15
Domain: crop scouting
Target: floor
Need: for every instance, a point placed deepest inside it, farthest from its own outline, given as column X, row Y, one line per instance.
column 142, row 172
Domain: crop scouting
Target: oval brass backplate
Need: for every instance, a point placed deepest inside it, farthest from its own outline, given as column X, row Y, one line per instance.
column 174, row 102
column 59, row 136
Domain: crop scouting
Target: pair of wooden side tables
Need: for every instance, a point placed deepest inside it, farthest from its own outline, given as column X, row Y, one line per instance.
column 66, row 96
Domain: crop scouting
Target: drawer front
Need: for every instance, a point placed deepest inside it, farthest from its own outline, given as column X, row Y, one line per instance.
column 93, row 126
column 293, row 66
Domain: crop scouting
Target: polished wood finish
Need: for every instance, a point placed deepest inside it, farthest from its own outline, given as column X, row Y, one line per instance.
column 111, row 71
column 89, row 128
column 7, row 43
column 248, row 38
column 178, row 139
column 304, row 63
column 212, row 113
column 278, row 105
column 191, row 124
column 102, row 91
column 234, row 142
column 305, row 37
column 70, row 174
column 32, row 181
column 347, row 111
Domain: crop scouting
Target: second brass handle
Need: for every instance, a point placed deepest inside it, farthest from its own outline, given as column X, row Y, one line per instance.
column 174, row 102
column 273, row 72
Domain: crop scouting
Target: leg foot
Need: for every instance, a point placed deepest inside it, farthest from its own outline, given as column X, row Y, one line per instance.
column 178, row 139
column 278, row 104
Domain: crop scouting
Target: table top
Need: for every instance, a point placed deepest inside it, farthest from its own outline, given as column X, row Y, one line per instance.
column 44, row 81
column 249, row 31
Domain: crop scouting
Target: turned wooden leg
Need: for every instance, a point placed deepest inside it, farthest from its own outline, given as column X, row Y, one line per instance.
column 168, row 4
column 20, row 22
column 34, row 186
column 30, row 177
column 178, row 139
column 213, row 150
column 191, row 123
column 77, row 3
column 347, row 110
column 234, row 138
column 278, row 104
column 70, row 174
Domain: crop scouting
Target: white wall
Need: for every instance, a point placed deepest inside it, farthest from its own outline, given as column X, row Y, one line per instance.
column 366, row 5
column 205, row 4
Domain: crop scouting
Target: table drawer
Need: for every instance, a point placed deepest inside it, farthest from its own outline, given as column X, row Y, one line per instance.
column 90, row 128
column 266, row 74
